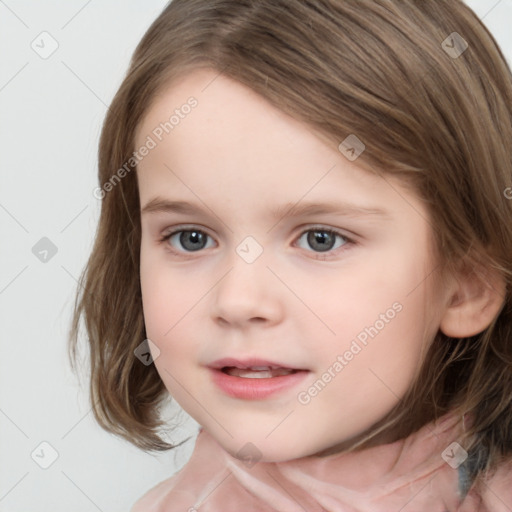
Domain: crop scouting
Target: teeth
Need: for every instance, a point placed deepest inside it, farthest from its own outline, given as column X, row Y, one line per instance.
column 258, row 372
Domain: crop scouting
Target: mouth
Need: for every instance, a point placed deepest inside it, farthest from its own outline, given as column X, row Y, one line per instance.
column 254, row 379
column 258, row 372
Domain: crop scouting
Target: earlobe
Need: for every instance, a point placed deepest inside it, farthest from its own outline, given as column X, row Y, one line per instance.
column 476, row 299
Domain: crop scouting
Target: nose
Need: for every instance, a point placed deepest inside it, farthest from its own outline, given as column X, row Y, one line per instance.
column 247, row 294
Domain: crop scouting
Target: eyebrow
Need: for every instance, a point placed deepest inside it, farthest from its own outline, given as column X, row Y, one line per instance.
column 160, row 205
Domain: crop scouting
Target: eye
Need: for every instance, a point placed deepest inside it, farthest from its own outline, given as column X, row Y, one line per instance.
column 324, row 240
column 191, row 240
column 321, row 240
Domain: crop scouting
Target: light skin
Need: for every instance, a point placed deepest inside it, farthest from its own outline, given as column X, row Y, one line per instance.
column 237, row 158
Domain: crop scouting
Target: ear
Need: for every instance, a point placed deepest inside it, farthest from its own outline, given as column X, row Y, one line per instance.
column 476, row 296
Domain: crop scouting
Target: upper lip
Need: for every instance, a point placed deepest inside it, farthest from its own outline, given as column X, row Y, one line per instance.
column 246, row 363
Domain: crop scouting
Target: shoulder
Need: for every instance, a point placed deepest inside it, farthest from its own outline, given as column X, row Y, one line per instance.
column 497, row 494
column 170, row 491
column 180, row 492
column 151, row 500
column 167, row 496
column 492, row 494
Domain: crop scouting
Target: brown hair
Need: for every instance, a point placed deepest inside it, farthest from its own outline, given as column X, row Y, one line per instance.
column 379, row 69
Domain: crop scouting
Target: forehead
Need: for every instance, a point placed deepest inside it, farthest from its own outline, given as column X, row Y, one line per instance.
column 220, row 103
column 232, row 142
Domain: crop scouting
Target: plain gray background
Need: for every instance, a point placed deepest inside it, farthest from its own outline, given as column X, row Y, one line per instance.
column 52, row 107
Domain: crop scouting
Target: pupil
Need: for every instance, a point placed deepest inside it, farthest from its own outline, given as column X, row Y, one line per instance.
column 322, row 238
column 189, row 238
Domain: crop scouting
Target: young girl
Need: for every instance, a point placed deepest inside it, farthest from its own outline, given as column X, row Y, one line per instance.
column 305, row 240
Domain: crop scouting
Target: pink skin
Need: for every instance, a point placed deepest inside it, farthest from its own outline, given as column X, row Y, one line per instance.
column 237, row 157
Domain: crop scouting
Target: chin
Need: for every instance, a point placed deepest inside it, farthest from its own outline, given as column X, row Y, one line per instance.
column 265, row 450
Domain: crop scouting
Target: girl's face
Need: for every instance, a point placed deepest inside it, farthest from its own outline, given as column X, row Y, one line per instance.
column 232, row 278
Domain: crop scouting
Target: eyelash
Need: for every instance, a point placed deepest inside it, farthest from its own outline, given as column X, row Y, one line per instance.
column 321, row 255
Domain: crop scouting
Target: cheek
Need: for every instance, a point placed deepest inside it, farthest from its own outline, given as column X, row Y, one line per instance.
column 159, row 300
column 379, row 304
column 162, row 306
column 165, row 318
column 171, row 300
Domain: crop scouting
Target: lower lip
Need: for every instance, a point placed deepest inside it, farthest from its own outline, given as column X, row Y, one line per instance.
column 255, row 389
